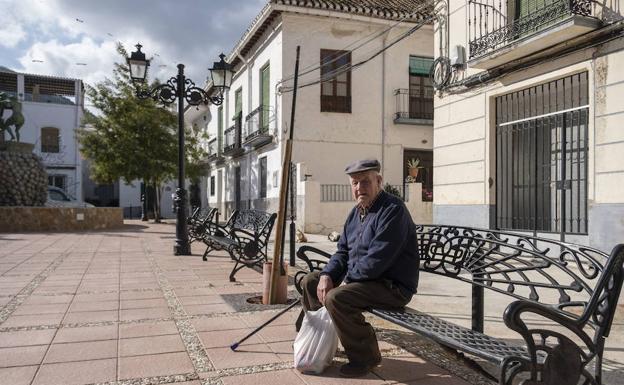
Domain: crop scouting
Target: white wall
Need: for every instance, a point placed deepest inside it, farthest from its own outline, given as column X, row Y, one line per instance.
column 66, row 118
column 326, row 141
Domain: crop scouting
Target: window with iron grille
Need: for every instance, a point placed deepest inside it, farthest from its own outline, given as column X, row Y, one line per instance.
column 212, row 186
column 263, row 177
column 541, row 157
column 50, row 140
column 335, row 81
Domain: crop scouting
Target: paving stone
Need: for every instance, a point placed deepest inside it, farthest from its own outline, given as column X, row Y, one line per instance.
column 90, row 333
column 32, row 320
column 139, row 314
column 23, row 355
column 154, row 365
column 147, row 328
column 26, row 338
column 245, row 355
column 21, row 375
column 90, row 316
column 150, row 345
column 286, row 376
column 77, row 373
column 80, row 351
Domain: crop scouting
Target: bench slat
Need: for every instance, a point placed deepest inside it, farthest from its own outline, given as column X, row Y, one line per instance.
column 452, row 335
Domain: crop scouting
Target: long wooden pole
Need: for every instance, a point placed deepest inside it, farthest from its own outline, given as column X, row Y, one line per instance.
column 281, row 216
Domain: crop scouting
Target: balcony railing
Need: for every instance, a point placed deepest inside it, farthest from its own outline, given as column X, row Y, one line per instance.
column 342, row 192
column 493, row 24
column 412, row 106
column 213, row 150
column 258, row 126
column 232, row 139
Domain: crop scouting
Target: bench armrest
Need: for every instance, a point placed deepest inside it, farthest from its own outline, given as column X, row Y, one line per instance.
column 550, row 352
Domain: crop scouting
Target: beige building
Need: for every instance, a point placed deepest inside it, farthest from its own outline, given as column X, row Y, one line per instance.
column 364, row 91
column 528, row 118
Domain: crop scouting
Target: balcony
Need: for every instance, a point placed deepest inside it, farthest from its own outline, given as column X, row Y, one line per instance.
column 232, row 139
column 213, row 151
column 412, row 107
column 502, row 31
column 257, row 127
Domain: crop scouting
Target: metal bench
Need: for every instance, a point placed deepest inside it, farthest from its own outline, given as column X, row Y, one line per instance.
column 245, row 236
column 574, row 288
column 199, row 222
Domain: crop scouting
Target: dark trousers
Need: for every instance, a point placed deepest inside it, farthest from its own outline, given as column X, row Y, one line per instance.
column 345, row 304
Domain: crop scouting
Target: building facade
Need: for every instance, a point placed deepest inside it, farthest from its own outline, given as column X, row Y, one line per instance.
column 528, row 118
column 52, row 109
column 364, row 91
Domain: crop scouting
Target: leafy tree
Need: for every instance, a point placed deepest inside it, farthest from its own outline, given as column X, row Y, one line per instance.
column 131, row 138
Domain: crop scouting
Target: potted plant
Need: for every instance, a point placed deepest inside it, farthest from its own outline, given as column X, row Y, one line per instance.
column 413, row 167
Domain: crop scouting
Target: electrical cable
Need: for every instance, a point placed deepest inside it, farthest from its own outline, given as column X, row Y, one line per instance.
column 348, row 67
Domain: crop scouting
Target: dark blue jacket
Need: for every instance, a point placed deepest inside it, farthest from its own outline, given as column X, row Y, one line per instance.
column 382, row 247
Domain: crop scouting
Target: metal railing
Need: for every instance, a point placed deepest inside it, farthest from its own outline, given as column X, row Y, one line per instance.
column 232, row 137
column 342, row 192
column 412, row 105
column 213, row 148
column 258, row 122
column 493, row 24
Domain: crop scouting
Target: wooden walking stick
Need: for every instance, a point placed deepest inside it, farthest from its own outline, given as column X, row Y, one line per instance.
column 276, row 268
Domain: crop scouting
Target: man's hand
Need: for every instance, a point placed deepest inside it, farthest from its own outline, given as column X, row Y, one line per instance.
column 324, row 286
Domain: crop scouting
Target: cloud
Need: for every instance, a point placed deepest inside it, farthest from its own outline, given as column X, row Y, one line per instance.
column 70, row 60
column 65, row 32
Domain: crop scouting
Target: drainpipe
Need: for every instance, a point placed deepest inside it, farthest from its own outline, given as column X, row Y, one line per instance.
column 383, row 104
column 249, row 99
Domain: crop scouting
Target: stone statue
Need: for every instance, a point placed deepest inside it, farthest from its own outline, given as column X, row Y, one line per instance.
column 16, row 119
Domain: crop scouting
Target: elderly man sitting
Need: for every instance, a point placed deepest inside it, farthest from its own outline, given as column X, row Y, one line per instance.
column 377, row 259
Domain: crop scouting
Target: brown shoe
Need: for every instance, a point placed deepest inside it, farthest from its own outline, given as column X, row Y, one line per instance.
column 353, row 369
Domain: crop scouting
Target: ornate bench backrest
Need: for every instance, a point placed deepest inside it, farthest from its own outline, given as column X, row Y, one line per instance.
column 259, row 222
column 581, row 281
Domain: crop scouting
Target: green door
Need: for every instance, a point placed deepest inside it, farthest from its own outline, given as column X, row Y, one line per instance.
column 264, row 96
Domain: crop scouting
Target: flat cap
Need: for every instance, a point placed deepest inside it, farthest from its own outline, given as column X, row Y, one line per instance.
column 363, row 165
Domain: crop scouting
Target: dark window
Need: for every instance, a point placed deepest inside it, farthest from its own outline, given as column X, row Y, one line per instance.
column 335, row 81
column 212, row 186
column 263, row 177
column 50, row 140
column 424, row 174
column 420, row 88
column 57, row 181
column 541, row 157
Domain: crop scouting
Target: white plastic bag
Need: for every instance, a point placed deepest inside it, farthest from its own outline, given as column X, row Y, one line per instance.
column 316, row 342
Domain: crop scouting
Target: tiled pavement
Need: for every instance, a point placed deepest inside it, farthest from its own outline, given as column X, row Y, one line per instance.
column 118, row 308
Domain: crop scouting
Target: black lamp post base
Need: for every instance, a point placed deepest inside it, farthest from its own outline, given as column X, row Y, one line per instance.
column 181, row 249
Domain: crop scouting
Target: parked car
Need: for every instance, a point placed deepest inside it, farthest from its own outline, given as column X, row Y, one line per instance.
column 57, row 197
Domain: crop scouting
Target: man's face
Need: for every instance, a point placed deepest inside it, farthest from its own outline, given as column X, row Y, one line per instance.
column 365, row 186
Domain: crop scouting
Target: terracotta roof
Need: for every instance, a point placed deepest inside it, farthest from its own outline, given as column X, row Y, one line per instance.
column 383, row 9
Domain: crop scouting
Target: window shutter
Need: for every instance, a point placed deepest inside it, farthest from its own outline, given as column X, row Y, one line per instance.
column 264, row 94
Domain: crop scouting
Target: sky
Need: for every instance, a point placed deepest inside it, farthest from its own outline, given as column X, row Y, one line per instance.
column 77, row 38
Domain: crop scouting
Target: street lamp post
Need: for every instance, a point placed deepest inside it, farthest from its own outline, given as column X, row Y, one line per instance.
column 181, row 89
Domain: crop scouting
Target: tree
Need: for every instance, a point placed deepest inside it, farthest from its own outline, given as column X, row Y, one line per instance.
column 132, row 138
